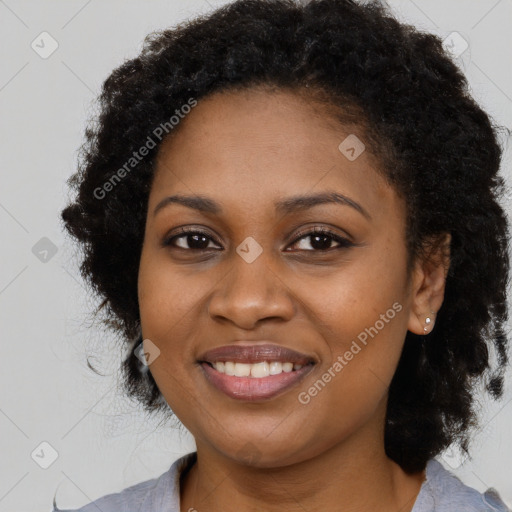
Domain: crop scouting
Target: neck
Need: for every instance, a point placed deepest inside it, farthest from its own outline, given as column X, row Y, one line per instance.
column 354, row 475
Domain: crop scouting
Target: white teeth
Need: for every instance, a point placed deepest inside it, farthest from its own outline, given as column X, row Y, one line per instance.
column 276, row 368
column 242, row 370
column 260, row 370
column 229, row 368
column 287, row 367
column 256, row 370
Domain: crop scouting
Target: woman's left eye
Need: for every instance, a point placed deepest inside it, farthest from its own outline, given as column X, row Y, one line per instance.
column 321, row 240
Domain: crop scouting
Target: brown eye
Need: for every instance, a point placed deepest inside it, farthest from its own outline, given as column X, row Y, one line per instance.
column 191, row 239
column 321, row 239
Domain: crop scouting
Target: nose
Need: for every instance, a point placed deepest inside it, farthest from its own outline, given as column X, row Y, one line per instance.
column 250, row 293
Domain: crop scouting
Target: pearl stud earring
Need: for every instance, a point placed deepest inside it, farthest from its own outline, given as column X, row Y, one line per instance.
column 428, row 321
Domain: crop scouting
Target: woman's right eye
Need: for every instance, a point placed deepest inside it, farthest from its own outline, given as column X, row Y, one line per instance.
column 190, row 239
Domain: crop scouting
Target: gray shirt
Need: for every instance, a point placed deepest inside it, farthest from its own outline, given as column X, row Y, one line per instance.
column 441, row 491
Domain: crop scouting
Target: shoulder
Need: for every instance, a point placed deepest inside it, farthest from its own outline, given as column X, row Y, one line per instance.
column 146, row 496
column 442, row 491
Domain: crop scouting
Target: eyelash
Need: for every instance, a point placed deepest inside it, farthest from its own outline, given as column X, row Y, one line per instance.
column 343, row 242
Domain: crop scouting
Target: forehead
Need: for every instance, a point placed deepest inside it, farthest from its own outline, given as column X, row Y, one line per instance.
column 254, row 145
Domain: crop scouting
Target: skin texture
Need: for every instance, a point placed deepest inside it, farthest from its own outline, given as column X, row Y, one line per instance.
column 247, row 150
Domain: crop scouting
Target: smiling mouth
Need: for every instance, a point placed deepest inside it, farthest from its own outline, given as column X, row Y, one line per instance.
column 250, row 388
column 255, row 370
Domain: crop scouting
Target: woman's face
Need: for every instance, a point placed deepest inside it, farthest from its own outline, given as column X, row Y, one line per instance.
column 255, row 275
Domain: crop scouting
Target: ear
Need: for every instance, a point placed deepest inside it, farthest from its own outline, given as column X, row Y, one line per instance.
column 428, row 285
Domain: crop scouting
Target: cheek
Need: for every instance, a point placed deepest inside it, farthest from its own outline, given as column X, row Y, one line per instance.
column 168, row 300
column 362, row 318
column 166, row 316
column 362, row 352
column 362, row 326
column 359, row 298
column 171, row 306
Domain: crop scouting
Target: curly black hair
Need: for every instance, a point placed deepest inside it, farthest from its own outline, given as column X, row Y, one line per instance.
column 438, row 149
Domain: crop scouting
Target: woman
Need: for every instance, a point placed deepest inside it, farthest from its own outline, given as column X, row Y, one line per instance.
column 291, row 212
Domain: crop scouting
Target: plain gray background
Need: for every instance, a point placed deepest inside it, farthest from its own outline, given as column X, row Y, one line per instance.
column 99, row 440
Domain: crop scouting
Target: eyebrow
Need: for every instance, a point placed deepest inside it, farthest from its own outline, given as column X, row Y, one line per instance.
column 284, row 206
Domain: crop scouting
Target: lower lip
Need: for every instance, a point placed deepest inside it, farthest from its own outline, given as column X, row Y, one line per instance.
column 251, row 388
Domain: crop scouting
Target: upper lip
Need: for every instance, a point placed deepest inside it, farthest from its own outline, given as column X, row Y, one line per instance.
column 254, row 354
